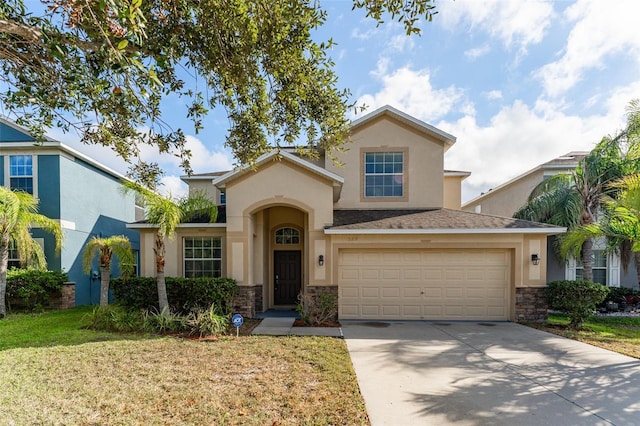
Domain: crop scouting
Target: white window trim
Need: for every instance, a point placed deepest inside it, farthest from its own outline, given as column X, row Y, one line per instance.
column 34, row 170
column 613, row 269
column 184, row 258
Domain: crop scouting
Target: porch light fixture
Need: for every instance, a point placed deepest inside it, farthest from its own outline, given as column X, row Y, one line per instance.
column 535, row 259
column 321, row 260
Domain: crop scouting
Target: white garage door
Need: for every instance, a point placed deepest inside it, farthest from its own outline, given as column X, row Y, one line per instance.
column 424, row 284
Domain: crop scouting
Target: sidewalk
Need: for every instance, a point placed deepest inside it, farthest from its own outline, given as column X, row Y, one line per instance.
column 284, row 327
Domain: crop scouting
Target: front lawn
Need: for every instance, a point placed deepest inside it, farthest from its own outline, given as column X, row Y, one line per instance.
column 54, row 372
column 618, row 334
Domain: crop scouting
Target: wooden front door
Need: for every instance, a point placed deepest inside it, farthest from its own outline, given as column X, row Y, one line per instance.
column 287, row 279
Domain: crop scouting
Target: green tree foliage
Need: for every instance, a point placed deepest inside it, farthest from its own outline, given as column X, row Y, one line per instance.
column 105, row 249
column 577, row 298
column 619, row 209
column 574, row 200
column 18, row 215
column 103, row 67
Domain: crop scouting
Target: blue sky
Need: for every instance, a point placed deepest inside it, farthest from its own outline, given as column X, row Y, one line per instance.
column 518, row 82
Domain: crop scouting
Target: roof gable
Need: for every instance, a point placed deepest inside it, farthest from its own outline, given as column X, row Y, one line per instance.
column 447, row 139
column 11, row 132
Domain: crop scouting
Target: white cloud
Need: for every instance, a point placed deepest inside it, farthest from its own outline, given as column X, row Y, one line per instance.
column 173, row 186
column 401, row 43
column 601, row 29
column 511, row 21
column 492, row 95
column 477, row 52
column 520, row 137
column 411, row 91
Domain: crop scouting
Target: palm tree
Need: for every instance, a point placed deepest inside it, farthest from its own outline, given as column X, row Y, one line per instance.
column 18, row 214
column 167, row 213
column 106, row 248
column 574, row 200
column 620, row 223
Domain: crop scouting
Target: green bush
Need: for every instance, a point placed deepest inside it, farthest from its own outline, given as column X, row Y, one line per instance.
column 31, row 288
column 114, row 318
column 576, row 298
column 184, row 294
column 206, row 322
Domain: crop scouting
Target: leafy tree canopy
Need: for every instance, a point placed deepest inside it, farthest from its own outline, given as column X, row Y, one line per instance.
column 103, row 67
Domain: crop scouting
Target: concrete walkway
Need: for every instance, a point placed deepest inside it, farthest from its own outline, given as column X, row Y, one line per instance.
column 463, row 373
column 284, row 327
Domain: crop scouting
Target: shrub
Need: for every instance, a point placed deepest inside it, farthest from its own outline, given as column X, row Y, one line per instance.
column 164, row 322
column 31, row 288
column 315, row 310
column 184, row 294
column 577, row 298
column 206, row 322
column 114, row 318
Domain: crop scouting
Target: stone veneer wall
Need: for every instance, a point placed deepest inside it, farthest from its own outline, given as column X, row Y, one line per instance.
column 66, row 299
column 249, row 301
column 531, row 304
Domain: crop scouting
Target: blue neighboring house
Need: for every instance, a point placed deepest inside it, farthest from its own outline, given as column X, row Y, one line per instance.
column 82, row 194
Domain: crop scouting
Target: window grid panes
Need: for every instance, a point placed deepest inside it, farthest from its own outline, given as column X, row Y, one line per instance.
column 21, row 173
column 14, row 259
column 599, row 267
column 287, row 236
column 384, row 174
column 202, row 257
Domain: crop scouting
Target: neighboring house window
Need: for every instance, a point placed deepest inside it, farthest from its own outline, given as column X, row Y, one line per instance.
column 384, row 174
column 223, row 198
column 14, row 259
column 21, row 173
column 202, row 257
column 287, row 236
column 606, row 269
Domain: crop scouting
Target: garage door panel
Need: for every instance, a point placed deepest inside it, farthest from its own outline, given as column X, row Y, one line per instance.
column 370, row 292
column 424, row 284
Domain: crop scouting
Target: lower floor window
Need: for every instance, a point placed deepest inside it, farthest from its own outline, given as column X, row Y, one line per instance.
column 202, row 257
column 599, row 267
column 14, row 258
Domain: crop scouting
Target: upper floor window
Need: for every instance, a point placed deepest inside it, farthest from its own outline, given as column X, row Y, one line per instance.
column 202, row 257
column 384, row 174
column 223, row 198
column 21, row 173
column 287, row 236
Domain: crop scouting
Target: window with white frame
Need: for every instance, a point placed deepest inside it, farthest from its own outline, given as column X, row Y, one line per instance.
column 287, row 236
column 384, row 174
column 223, row 198
column 599, row 267
column 21, row 173
column 14, row 258
column 202, row 257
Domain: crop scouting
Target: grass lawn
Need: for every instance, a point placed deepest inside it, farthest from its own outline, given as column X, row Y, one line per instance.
column 619, row 334
column 54, row 372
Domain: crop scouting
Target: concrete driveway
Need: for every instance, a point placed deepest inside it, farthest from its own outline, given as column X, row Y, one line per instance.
column 467, row 373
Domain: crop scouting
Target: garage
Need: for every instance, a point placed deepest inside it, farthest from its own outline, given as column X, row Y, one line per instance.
column 424, row 284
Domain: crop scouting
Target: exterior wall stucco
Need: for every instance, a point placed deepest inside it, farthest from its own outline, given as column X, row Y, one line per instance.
column 452, row 192
column 507, row 200
column 423, row 168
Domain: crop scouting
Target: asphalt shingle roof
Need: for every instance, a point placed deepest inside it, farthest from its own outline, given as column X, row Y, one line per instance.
column 427, row 219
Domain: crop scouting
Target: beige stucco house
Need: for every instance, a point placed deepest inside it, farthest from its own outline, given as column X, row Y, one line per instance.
column 507, row 198
column 384, row 232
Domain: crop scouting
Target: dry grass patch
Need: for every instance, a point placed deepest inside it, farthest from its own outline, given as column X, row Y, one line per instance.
column 230, row 381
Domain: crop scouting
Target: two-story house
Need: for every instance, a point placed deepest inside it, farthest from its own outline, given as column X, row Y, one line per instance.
column 383, row 231
column 507, row 198
column 79, row 192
